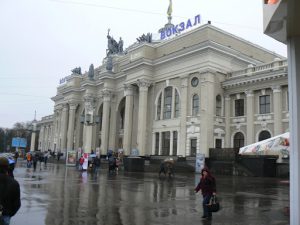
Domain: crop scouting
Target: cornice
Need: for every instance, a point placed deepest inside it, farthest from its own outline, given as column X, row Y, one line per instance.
column 253, row 79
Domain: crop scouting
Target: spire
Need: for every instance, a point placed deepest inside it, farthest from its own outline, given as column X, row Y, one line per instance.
column 34, row 115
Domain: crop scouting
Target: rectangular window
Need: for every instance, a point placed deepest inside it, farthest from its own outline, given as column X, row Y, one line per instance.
column 165, row 143
column 193, row 147
column 156, row 143
column 264, row 104
column 175, row 137
column 239, row 107
column 218, row 143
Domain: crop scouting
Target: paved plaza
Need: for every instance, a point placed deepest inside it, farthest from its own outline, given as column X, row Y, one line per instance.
column 59, row 195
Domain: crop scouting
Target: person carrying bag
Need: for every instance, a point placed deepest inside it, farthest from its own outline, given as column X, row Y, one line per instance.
column 207, row 185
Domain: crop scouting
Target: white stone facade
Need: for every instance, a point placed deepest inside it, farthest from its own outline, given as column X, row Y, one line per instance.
column 202, row 89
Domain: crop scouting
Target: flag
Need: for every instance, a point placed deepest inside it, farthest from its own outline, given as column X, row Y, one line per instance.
column 169, row 12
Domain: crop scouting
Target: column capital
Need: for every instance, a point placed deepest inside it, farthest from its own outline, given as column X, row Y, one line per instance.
column 106, row 95
column 276, row 88
column 249, row 93
column 64, row 106
column 143, row 84
column 73, row 105
column 128, row 89
column 227, row 97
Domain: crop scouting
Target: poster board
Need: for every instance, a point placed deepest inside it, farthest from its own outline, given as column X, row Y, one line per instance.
column 200, row 162
column 71, row 158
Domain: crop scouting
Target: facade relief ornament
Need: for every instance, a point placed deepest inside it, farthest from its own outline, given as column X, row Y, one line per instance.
column 89, row 103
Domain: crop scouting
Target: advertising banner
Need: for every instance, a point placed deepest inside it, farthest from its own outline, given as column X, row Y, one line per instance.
column 71, row 158
column 19, row 142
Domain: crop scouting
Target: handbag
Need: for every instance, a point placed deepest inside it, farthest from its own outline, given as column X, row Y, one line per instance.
column 214, row 205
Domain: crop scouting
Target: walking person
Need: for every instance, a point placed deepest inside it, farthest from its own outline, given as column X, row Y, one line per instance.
column 10, row 201
column 35, row 161
column 207, row 185
column 96, row 164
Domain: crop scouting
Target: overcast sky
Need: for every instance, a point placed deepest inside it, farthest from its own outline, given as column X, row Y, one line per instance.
column 42, row 40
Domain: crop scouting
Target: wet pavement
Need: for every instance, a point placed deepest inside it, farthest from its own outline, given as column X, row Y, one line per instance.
column 59, row 195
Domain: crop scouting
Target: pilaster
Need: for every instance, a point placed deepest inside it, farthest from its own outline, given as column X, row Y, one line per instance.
column 277, row 106
column 250, row 117
column 183, row 113
column 227, row 121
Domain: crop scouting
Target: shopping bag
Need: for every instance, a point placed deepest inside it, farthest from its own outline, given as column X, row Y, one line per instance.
column 214, row 205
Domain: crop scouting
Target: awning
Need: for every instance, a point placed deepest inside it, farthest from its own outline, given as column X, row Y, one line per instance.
column 278, row 145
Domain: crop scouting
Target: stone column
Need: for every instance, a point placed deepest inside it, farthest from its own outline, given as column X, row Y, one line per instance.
column 277, row 106
column 89, row 103
column 128, row 92
column 227, row 121
column 183, row 113
column 142, row 116
column 33, row 136
column 113, row 124
column 106, row 94
column 294, row 110
column 250, row 117
column 70, row 139
column 64, row 127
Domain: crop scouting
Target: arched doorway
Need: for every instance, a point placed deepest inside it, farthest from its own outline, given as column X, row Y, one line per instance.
column 238, row 140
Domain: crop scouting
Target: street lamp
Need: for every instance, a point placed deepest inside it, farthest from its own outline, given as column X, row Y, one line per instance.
column 89, row 120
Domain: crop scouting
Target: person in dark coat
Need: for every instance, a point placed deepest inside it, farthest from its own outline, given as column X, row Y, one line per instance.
column 207, row 185
column 10, row 201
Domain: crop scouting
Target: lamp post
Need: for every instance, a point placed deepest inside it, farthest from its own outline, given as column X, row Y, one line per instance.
column 89, row 120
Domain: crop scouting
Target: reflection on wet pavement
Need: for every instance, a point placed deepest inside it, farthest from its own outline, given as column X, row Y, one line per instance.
column 59, row 195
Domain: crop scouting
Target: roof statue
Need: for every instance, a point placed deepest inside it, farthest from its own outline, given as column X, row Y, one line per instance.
column 91, row 72
column 113, row 47
column 76, row 70
column 145, row 38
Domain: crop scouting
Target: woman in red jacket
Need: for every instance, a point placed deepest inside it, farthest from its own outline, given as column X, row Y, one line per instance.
column 207, row 185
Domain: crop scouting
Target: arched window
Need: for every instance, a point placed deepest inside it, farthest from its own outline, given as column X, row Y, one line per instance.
column 264, row 135
column 238, row 140
column 195, row 105
column 168, row 103
column 218, row 105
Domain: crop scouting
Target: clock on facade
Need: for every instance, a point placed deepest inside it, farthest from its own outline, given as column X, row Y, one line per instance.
column 195, row 81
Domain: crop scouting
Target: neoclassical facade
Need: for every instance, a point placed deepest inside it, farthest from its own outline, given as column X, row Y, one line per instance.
column 202, row 89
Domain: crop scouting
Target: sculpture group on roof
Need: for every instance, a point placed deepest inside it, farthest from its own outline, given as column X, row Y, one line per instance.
column 113, row 47
column 76, row 70
column 145, row 38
